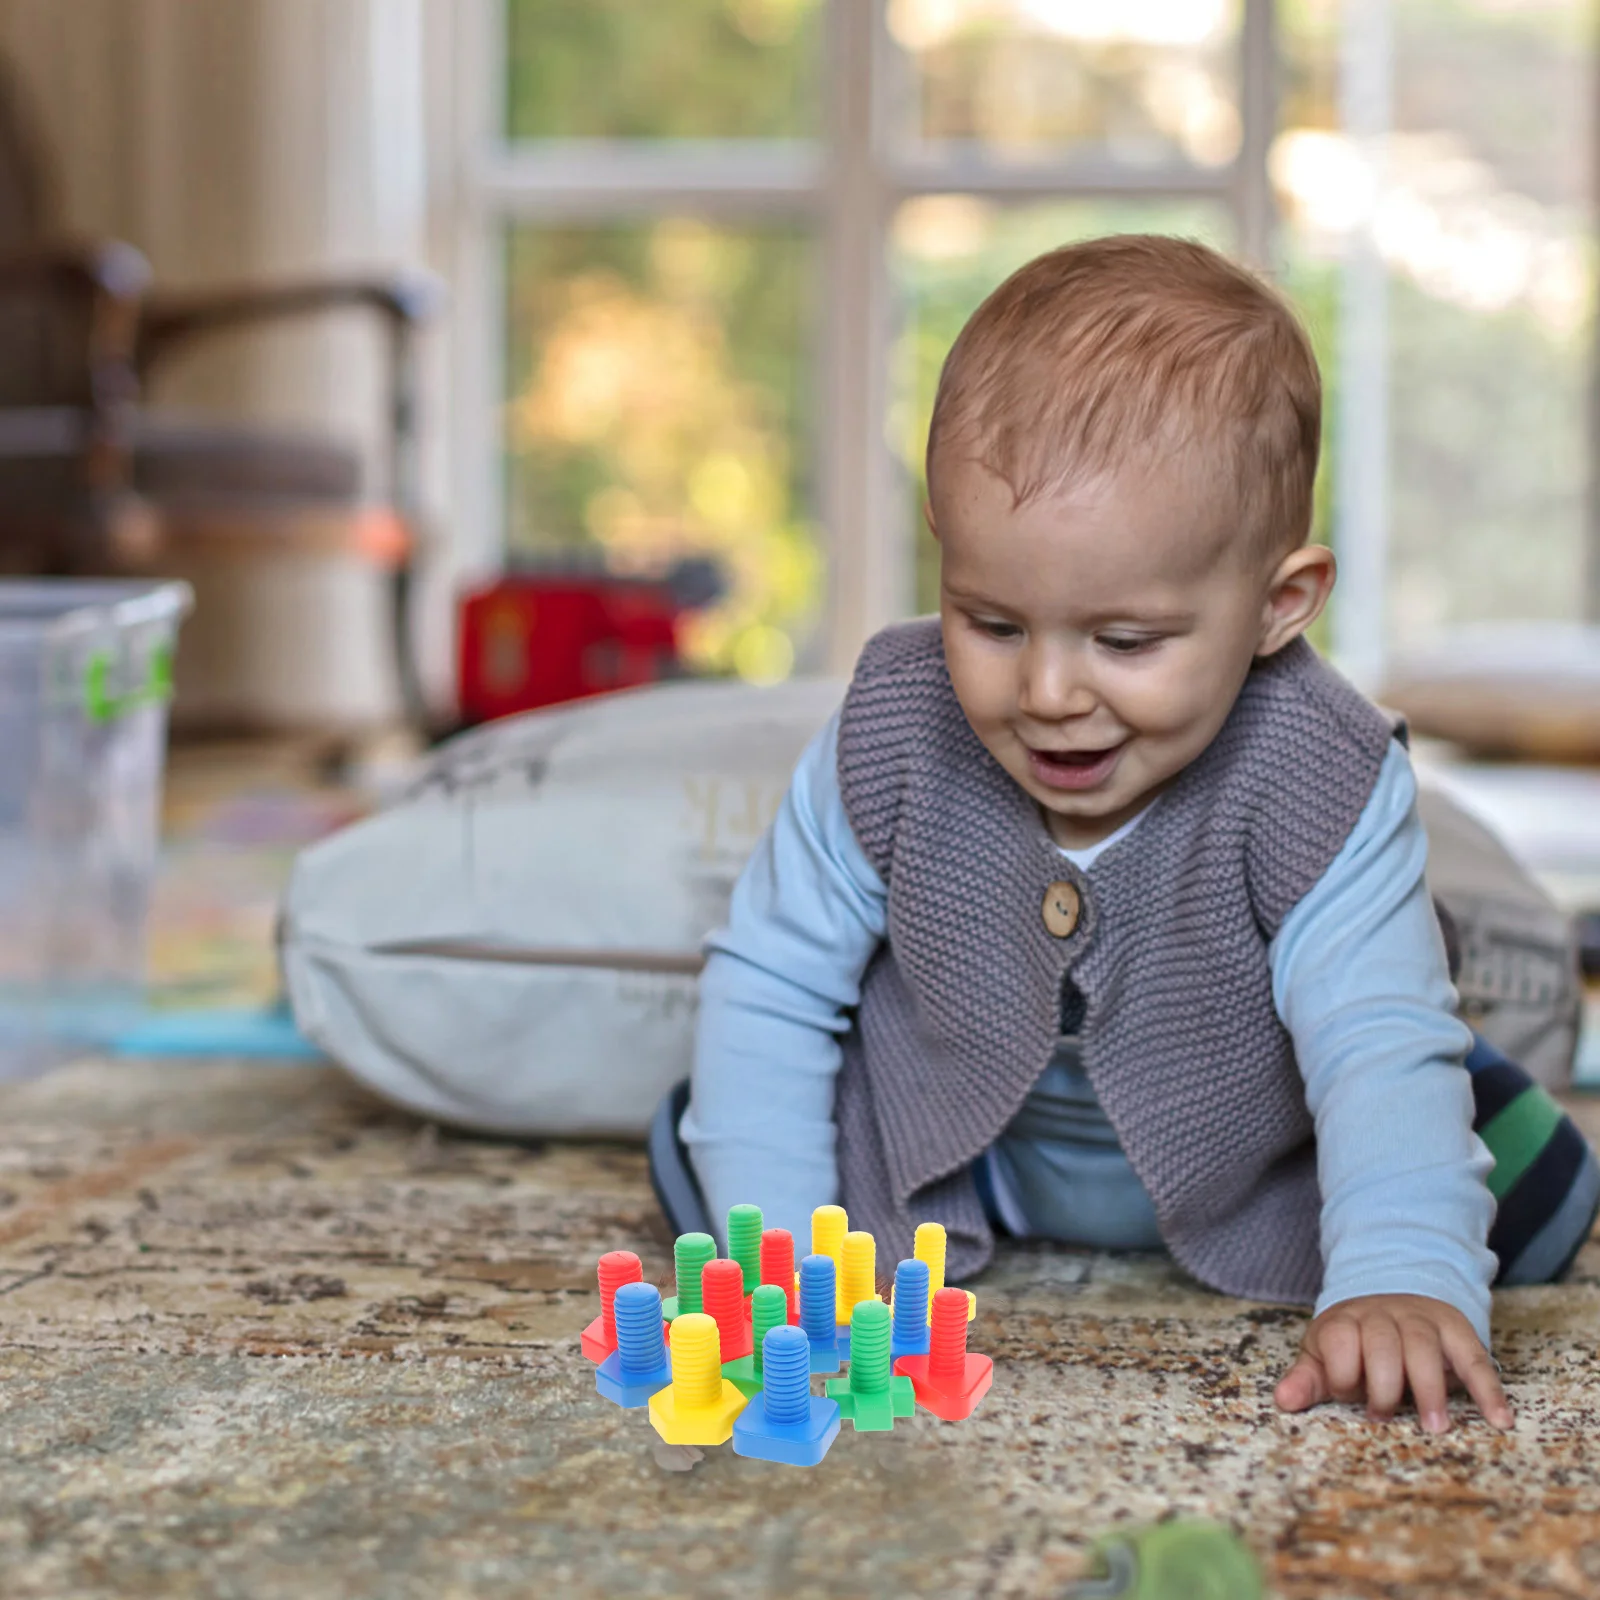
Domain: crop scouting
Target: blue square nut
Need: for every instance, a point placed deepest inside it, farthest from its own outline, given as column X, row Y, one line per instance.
column 630, row 1390
column 825, row 1356
column 795, row 1444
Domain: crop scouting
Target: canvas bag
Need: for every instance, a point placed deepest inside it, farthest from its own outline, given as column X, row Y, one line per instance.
column 512, row 946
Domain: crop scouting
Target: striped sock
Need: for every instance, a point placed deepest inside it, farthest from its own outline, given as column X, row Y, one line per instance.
column 1545, row 1179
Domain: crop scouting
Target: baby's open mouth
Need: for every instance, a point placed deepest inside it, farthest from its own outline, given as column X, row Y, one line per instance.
column 1074, row 769
column 1075, row 758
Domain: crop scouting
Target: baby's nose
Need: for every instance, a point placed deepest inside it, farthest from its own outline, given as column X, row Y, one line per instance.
column 1052, row 688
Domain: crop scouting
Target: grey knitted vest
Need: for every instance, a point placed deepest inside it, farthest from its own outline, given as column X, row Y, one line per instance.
column 959, row 1006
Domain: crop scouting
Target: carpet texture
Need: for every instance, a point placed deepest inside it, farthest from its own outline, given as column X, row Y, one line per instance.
column 261, row 1336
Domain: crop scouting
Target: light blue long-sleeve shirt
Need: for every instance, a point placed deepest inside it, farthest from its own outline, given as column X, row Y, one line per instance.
column 1359, row 979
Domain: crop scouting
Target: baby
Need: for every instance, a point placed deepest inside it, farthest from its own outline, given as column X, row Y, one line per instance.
column 1097, row 911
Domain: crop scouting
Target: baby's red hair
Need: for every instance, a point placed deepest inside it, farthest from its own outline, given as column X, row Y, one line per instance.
column 1133, row 349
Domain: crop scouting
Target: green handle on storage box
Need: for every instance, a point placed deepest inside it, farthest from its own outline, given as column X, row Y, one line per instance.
column 103, row 706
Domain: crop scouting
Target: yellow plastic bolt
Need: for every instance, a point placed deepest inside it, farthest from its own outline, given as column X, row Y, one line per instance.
column 929, row 1247
column 860, row 1272
column 828, row 1225
column 699, row 1406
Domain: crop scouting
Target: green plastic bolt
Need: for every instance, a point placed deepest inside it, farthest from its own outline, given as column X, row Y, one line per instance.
column 744, row 1243
column 769, row 1308
column 1179, row 1560
column 689, row 1256
column 872, row 1396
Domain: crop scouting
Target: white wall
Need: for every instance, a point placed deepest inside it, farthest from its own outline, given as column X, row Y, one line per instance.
column 266, row 139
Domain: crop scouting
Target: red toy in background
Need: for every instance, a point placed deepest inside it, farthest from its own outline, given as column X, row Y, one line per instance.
column 541, row 635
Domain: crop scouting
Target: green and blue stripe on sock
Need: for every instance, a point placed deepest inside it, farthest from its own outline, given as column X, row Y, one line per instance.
column 1545, row 1180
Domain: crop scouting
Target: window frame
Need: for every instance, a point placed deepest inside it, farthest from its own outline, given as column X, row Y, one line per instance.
column 847, row 188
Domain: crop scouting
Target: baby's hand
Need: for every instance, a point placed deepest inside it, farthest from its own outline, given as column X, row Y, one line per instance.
column 1377, row 1345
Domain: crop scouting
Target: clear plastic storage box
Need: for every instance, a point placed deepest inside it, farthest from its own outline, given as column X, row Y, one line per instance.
column 85, row 676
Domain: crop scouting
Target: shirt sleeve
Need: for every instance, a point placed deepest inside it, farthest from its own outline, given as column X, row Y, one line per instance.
column 804, row 919
column 1361, row 982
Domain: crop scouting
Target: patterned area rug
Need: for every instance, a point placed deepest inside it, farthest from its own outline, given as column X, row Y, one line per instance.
column 261, row 1336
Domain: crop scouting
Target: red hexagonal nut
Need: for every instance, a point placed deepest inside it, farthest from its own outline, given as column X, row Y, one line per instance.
column 950, row 1380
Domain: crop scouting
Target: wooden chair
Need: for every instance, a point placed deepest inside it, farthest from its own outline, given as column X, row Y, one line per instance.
column 96, row 480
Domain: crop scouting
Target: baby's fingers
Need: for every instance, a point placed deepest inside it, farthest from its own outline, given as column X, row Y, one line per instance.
column 1474, row 1368
column 1383, row 1356
column 1304, row 1385
column 1425, row 1373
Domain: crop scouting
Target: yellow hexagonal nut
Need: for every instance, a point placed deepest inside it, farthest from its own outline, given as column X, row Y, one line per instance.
column 700, row 1405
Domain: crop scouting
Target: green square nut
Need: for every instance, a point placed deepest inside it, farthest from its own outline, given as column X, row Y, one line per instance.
column 874, row 1413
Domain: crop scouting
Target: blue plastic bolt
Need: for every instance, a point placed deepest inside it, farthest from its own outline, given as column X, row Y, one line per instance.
column 785, row 1421
column 910, row 1310
column 817, row 1312
column 639, row 1366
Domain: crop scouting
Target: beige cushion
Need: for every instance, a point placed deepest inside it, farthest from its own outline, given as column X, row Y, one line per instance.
column 1528, row 690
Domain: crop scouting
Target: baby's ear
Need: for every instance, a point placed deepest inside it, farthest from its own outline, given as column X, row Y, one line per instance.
column 1295, row 598
column 927, row 516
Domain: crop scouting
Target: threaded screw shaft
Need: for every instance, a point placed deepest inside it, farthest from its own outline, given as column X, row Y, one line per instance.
column 869, row 1348
column 617, row 1267
column 722, row 1290
column 744, row 1242
column 929, row 1247
column 785, row 1356
column 689, row 1256
column 696, row 1369
column 910, row 1302
column 777, row 1258
column 860, row 1269
column 769, row 1309
column 818, row 1298
column 828, row 1227
column 947, row 1342
column 640, row 1345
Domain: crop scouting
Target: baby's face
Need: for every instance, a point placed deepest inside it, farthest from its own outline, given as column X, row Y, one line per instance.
column 1096, row 639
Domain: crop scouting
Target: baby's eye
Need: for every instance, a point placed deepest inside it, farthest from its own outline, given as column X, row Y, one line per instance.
column 1120, row 644
column 996, row 630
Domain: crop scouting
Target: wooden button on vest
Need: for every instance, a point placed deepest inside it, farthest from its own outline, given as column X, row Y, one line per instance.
column 1061, row 908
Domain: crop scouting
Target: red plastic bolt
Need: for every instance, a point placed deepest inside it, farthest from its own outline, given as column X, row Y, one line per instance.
column 777, row 1265
column 950, row 1380
column 722, row 1291
column 617, row 1267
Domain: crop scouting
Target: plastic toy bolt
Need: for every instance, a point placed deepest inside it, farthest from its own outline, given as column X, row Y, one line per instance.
column 818, row 1311
column 638, row 1367
column 744, row 1243
column 910, row 1296
column 828, row 1227
column 860, row 1274
column 699, row 1405
column 617, row 1267
column 777, row 1266
column 769, row 1309
column 1199, row 1560
column 722, row 1287
column 871, row 1397
column 786, row 1422
column 950, row 1380
column 929, row 1247
column 689, row 1256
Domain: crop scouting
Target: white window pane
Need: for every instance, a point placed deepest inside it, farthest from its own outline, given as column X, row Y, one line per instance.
column 1137, row 81
column 948, row 252
column 1483, row 232
column 658, row 408
column 641, row 69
